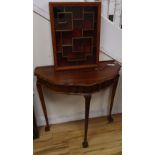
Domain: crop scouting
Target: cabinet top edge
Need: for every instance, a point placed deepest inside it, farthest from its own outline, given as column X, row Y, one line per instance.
column 78, row 3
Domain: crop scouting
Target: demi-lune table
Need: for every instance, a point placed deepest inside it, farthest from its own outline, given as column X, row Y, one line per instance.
column 80, row 82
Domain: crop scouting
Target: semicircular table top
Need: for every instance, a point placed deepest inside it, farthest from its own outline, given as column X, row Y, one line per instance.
column 105, row 71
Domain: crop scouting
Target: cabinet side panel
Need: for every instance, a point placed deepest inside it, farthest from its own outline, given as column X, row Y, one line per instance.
column 53, row 33
column 98, row 32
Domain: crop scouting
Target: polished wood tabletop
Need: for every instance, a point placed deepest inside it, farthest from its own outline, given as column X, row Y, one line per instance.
column 106, row 70
column 81, row 82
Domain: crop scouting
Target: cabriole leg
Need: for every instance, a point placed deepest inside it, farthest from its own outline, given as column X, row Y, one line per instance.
column 110, row 119
column 41, row 96
column 87, row 106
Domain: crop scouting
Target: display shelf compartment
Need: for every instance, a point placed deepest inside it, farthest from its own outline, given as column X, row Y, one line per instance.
column 77, row 32
column 58, row 42
column 66, row 38
column 63, row 21
column 78, row 24
column 90, row 33
column 66, row 51
column 77, row 12
column 83, row 44
column 88, row 21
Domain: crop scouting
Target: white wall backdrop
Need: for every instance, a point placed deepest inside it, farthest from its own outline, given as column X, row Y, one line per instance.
column 62, row 108
column 111, row 39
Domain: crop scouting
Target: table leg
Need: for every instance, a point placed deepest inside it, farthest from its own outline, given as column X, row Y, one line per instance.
column 41, row 96
column 110, row 119
column 87, row 106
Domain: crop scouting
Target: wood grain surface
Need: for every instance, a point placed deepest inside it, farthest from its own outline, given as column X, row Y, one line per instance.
column 82, row 77
column 65, row 139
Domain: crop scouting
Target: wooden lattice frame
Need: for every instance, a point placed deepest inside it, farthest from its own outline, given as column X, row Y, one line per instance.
column 86, row 55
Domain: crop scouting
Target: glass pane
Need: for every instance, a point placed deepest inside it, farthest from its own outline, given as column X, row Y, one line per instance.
column 75, row 29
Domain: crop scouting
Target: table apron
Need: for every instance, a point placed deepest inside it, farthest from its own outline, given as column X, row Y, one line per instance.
column 77, row 90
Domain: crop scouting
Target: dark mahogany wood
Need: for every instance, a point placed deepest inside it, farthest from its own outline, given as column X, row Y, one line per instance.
column 110, row 119
column 40, row 91
column 87, row 106
column 80, row 82
column 75, row 46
